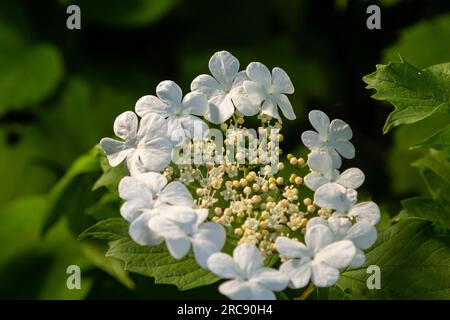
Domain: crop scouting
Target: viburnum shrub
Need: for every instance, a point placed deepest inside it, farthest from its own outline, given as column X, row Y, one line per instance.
column 200, row 181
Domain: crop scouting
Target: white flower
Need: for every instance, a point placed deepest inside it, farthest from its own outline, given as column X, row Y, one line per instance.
column 270, row 90
column 224, row 90
column 148, row 195
column 205, row 238
column 363, row 234
column 250, row 279
column 330, row 137
column 336, row 197
column 145, row 145
column 318, row 261
column 351, row 178
column 180, row 112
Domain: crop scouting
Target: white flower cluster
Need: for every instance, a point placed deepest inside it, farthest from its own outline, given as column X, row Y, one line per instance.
column 264, row 211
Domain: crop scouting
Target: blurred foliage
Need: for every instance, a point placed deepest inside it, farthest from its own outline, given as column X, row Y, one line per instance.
column 60, row 91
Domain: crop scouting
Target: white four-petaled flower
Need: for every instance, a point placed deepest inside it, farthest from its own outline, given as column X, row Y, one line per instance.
column 270, row 89
column 181, row 113
column 363, row 234
column 336, row 197
column 318, row 261
column 145, row 146
column 250, row 279
column 224, row 89
column 333, row 138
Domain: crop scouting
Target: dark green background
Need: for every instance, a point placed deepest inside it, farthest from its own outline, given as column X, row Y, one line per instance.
column 61, row 89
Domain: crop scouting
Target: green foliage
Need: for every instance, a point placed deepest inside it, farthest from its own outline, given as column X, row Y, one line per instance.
column 416, row 94
column 439, row 140
column 149, row 261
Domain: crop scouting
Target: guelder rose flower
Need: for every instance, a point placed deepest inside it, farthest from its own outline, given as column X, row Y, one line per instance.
column 224, row 90
column 148, row 195
column 351, row 178
column 330, row 137
column 250, row 279
column 270, row 90
column 145, row 146
column 362, row 234
column 318, row 261
column 336, row 197
column 205, row 238
column 180, row 112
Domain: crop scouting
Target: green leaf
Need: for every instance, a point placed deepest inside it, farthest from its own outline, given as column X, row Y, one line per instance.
column 109, row 229
column 111, row 175
column 440, row 141
column 131, row 13
column 149, row 261
column 414, row 262
column 436, row 171
column 416, row 94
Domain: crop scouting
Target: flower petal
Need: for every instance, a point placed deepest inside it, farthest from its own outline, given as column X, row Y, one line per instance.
column 366, row 211
column 318, row 237
column 315, row 180
column 154, row 181
column 131, row 209
column 195, row 127
column 132, row 188
column 259, row 73
column 320, row 121
column 255, row 92
column 291, row 248
column 224, row 266
column 126, row 126
column 179, row 247
column 339, row 224
column 207, row 85
column 362, row 234
column 298, row 272
column 141, row 233
column 337, row 255
column 157, row 154
column 169, row 92
column 176, row 193
column 151, row 104
column 209, row 239
column 345, row 149
column 152, row 126
column 166, row 228
column 270, row 278
column 220, row 109
column 340, row 130
column 324, row 275
column 115, row 151
column 269, row 108
column 311, row 139
column 195, row 103
column 243, row 103
column 248, row 257
column 281, row 81
column 351, row 178
column 320, row 160
column 259, row 292
column 334, row 196
column 285, row 106
column 224, row 67
column 358, row 260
